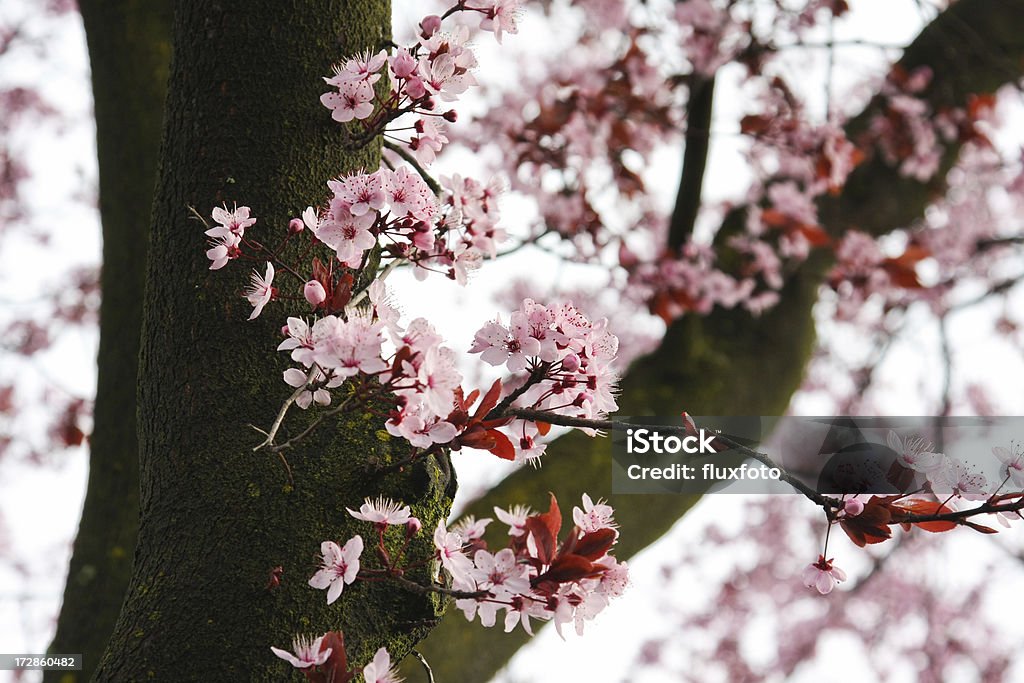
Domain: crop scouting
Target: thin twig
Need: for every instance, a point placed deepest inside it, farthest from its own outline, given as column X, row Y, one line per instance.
column 423, row 661
column 295, row 439
column 284, row 410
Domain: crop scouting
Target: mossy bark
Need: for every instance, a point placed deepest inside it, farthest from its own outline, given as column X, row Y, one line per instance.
column 244, row 125
column 730, row 363
column 129, row 51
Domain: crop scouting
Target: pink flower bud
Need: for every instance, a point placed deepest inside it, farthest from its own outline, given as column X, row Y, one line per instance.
column 403, row 64
column 314, row 293
column 295, row 225
column 451, row 116
column 412, row 527
column 571, row 363
column 853, row 507
column 430, row 25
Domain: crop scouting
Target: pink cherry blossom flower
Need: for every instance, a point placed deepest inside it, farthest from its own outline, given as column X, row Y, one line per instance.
column 501, row 15
column 260, row 291
column 354, row 100
column 429, row 142
column 1013, row 463
column 529, row 449
column 407, row 194
column 449, row 551
column 471, row 528
column 955, row 478
column 299, row 341
column 307, row 652
column 340, row 566
column 914, row 453
column 402, row 63
column 362, row 192
column 379, row 670
column 515, row 517
column 420, row 433
column 348, row 346
column 822, row 575
column 382, row 511
column 363, row 67
column 348, row 235
column 230, row 222
column 593, row 516
column 223, row 249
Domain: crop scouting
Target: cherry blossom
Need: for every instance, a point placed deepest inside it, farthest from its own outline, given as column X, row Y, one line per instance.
column 340, row 566
column 822, row 575
column 380, row 670
column 222, row 250
column 500, row 15
column 1013, row 463
column 382, row 511
column 308, row 652
column 354, row 100
column 914, row 453
column 449, row 550
column 296, row 378
column 593, row 516
column 261, row 291
column 230, row 223
column 515, row 517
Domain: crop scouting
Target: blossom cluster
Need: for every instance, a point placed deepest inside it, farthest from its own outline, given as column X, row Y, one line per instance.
column 931, row 485
column 560, row 360
column 439, row 65
column 324, row 660
column 535, row 577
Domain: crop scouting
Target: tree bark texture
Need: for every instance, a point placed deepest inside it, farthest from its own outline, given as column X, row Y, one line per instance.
column 244, row 124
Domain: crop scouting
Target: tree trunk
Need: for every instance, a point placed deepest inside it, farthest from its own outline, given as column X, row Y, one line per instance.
column 129, row 51
column 244, row 124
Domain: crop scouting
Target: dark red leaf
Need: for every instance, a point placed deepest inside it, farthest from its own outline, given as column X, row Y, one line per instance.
column 567, row 568
column 594, row 545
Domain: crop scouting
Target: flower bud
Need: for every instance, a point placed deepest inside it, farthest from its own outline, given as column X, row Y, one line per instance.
column 314, row 293
column 430, row 25
column 451, row 116
column 403, row 64
column 412, row 527
column 853, row 507
column 571, row 363
column 295, row 225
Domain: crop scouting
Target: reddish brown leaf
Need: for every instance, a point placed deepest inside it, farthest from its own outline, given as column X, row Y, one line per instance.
column 503, row 446
column 871, row 525
column 594, row 545
column 567, row 568
column 489, row 400
column 916, row 506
